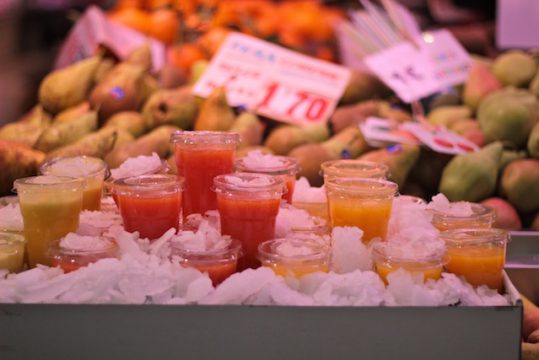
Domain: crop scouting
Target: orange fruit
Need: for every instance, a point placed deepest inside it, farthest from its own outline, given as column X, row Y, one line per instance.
column 132, row 17
column 164, row 25
column 212, row 40
column 183, row 56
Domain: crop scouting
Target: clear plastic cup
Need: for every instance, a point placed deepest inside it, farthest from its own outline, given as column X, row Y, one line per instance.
column 248, row 204
column 93, row 170
column 11, row 251
column 354, row 169
column 71, row 259
column 412, row 199
column 364, row 203
column 477, row 254
column 219, row 264
column 427, row 262
column 317, row 209
column 50, row 207
column 200, row 157
column 319, row 227
column 288, row 169
column 150, row 204
column 482, row 217
column 294, row 257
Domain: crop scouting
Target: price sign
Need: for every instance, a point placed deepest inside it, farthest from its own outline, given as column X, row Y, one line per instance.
column 94, row 29
column 414, row 72
column 273, row 81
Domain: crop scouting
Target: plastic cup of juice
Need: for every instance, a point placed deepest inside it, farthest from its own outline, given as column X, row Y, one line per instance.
column 200, row 157
column 248, row 204
column 354, row 169
column 427, row 262
column 364, row 203
column 481, row 217
column 150, row 204
column 70, row 258
column 219, row 264
column 319, row 227
column 93, row 170
column 284, row 166
column 50, row 207
column 317, row 209
column 477, row 254
column 11, row 251
column 294, row 257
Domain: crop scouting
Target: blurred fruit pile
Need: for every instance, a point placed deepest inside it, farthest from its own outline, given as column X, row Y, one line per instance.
column 115, row 110
column 194, row 29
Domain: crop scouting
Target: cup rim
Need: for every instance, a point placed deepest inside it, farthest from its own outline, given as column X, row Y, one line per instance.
column 55, row 249
column 479, row 211
column 46, row 166
column 183, row 137
column 64, row 183
column 349, row 166
column 386, row 252
column 290, row 166
column 474, row 236
column 222, row 185
column 232, row 251
column 267, row 250
column 371, row 186
column 155, row 182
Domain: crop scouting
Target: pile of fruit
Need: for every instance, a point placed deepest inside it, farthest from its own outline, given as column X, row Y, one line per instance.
column 194, row 29
column 115, row 110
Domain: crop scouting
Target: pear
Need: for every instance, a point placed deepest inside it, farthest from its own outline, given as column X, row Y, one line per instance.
column 508, row 115
column 472, row 176
column 215, row 114
column 120, row 90
column 363, row 86
column 171, row 76
column 28, row 130
column 131, row 121
column 519, row 183
column 141, row 56
column 533, row 142
column 250, row 128
column 106, row 65
column 506, row 215
column 171, row 106
column 68, row 86
column 148, row 87
column 285, row 138
column 97, row 144
column 65, row 133
column 509, row 156
column 447, row 115
column 450, row 98
column 534, row 86
column 157, row 141
column 17, row 161
column 514, row 68
column 481, row 82
column 399, row 158
column 348, row 143
column 72, row 112
column 197, row 70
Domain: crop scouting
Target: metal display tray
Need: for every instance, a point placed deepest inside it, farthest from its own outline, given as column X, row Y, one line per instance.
column 522, row 263
column 46, row 331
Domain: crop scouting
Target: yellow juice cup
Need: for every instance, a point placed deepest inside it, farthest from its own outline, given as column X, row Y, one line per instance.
column 389, row 258
column 11, row 251
column 354, row 169
column 477, row 254
column 364, row 203
column 482, row 217
column 93, row 170
column 294, row 257
column 50, row 207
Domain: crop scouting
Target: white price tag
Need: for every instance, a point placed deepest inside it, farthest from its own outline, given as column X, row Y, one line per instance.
column 94, row 29
column 440, row 139
column 380, row 132
column 273, row 81
column 416, row 72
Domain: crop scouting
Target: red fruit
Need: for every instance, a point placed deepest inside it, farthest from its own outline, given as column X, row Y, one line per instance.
column 506, row 215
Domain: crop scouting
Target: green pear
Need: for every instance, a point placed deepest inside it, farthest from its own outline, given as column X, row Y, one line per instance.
column 514, row 68
column 285, row 138
column 18, row 161
column 519, row 183
column 131, row 121
column 447, row 115
column 533, row 142
column 171, row 106
column 96, row 144
column 141, row 56
column 67, row 132
column 29, row 130
column 250, row 128
column 481, row 82
column 509, row 156
column 68, row 86
column 72, row 112
column 215, row 114
column 472, row 176
column 363, row 86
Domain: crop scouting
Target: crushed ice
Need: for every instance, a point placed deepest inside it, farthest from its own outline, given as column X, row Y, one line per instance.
column 136, row 166
column 441, row 204
column 11, row 218
column 304, row 192
column 258, row 160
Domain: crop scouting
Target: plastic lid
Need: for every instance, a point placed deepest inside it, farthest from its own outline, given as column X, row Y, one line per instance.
column 249, row 183
column 155, row 184
column 362, row 186
column 205, row 137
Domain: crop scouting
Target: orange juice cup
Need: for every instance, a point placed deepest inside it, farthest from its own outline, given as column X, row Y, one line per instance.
column 294, row 257
column 482, row 217
column 389, row 258
column 219, row 264
column 248, row 205
column 319, row 227
column 477, row 254
column 200, row 157
column 11, row 251
column 93, row 170
column 364, row 203
column 288, row 169
column 73, row 259
column 150, row 204
column 50, row 207
column 354, row 169
column 318, row 209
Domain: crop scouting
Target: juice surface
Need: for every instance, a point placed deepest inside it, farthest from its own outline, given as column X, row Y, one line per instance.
column 151, row 216
column 199, row 166
column 251, row 221
column 92, row 194
column 428, row 271
column 218, row 272
column 48, row 217
column 369, row 215
column 318, row 209
column 296, row 269
column 66, row 265
column 12, row 257
column 480, row 265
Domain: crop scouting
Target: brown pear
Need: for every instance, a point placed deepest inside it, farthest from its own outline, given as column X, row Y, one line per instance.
column 215, row 113
column 130, row 121
column 171, row 106
column 141, row 56
column 250, row 128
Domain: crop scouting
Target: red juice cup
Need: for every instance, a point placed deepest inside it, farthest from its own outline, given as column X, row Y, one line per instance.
column 248, row 205
column 150, row 204
column 284, row 166
column 71, row 259
column 200, row 157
